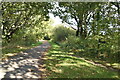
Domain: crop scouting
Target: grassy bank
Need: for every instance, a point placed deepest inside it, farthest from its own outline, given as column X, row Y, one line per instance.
column 12, row 48
column 61, row 64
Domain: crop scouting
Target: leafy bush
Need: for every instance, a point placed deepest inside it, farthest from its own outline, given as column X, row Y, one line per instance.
column 90, row 47
column 74, row 43
column 61, row 33
column 29, row 39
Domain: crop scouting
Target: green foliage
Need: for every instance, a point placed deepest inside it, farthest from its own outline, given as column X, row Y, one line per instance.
column 80, row 12
column 61, row 33
column 19, row 16
column 24, row 24
column 91, row 47
column 90, row 18
column 61, row 64
column 16, row 47
column 72, row 42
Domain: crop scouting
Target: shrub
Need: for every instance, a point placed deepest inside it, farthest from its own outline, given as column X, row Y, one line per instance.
column 61, row 33
column 73, row 43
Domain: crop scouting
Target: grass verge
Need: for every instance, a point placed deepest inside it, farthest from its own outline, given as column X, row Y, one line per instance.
column 61, row 64
column 13, row 48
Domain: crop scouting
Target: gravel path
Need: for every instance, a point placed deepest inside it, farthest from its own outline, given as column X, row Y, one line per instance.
column 25, row 64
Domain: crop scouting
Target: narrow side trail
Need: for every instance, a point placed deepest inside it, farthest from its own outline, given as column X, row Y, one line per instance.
column 25, row 64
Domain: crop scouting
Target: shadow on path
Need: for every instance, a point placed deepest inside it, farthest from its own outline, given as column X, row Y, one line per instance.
column 25, row 64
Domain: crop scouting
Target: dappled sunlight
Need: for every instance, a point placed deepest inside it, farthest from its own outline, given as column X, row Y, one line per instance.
column 59, row 55
column 15, row 65
column 10, row 69
column 116, row 65
column 56, row 70
column 70, row 53
column 83, row 45
column 21, row 47
column 56, row 52
column 25, row 64
column 25, row 53
column 65, row 65
column 12, row 48
column 86, row 64
column 10, row 54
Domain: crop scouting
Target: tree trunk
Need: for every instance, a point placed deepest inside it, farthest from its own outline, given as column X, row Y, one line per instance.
column 81, row 31
column 78, row 30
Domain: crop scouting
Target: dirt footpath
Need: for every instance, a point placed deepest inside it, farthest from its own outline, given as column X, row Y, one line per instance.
column 25, row 64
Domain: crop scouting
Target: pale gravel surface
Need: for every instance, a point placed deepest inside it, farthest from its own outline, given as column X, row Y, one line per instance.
column 25, row 64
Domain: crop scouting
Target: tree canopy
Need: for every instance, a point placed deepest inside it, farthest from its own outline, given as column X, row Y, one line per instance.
column 88, row 16
column 19, row 16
